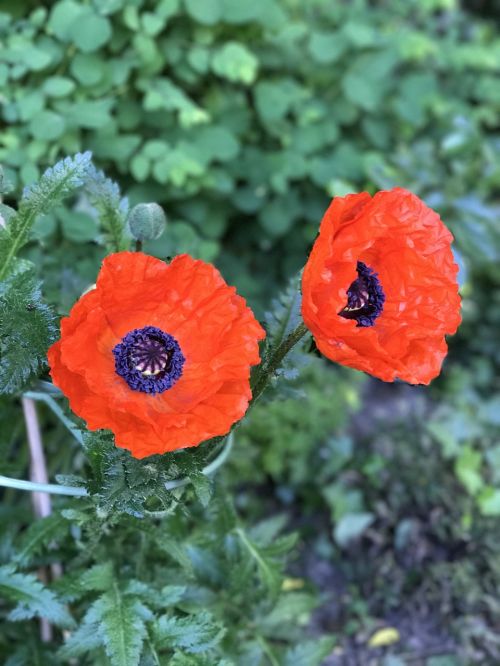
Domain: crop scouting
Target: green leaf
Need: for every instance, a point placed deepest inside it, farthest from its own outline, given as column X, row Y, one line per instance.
column 105, row 195
column 326, row 47
column 203, row 487
column 273, row 99
column 242, row 11
column 468, row 469
column 91, row 114
column 27, row 329
column 283, row 318
column 217, row 143
column 289, row 608
column 194, row 633
column 182, row 659
column 82, row 641
column 99, row 577
column 204, row 11
column 47, row 125
column 121, row 627
column 310, row 653
column 62, row 18
column 39, row 535
column 90, row 32
column 87, row 68
column 76, row 226
column 38, row 199
column 58, row 86
column 269, row 572
column 236, row 63
column 352, row 526
column 33, row 599
column 368, row 79
column 489, row 501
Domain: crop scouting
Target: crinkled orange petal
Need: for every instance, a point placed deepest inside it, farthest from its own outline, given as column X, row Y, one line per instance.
column 217, row 333
column 408, row 246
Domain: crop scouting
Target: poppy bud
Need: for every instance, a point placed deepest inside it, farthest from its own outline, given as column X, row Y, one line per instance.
column 147, row 221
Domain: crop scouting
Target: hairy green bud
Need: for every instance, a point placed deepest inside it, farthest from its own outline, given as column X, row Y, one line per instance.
column 147, row 221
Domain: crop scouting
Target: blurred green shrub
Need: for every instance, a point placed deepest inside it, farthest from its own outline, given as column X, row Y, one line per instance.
column 242, row 117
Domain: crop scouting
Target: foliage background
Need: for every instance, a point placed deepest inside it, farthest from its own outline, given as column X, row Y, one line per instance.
column 242, row 118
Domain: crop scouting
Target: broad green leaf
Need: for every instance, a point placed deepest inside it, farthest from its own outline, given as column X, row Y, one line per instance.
column 368, row 79
column 47, row 125
column 58, row 86
column 205, row 11
column 326, row 47
column 468, row 469
column 351, row 527
column 489, row 501
column 63, row 16
column 236, row 63
column 87, row 68
column 90, row 32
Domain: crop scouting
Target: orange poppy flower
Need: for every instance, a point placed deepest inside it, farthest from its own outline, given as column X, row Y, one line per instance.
column 158, row 353
column 380, row 287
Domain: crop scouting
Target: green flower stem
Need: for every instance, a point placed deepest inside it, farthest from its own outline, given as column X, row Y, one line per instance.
column 275, row 359
column 210, row 468
column 47, row 387
column 52, row 404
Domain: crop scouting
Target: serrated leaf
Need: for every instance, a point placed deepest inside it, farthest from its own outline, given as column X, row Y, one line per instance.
column 40, row 534
column 99, row 577
column 33, row 599
column 269, row 572
column 56, row 183
column 285, row 314
column 105, row 195
column 85, row 639
column 203, row 487
column 194, row 633
column 121, row 627
column 27, row 329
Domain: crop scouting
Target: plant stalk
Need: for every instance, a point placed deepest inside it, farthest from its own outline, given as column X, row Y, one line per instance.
column 275, row 360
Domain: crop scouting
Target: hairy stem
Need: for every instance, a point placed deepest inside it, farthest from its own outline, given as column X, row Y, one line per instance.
column 274, row 361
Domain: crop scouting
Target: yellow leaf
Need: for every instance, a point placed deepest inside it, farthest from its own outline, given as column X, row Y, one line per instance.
column 292, row 584
column 384, row 637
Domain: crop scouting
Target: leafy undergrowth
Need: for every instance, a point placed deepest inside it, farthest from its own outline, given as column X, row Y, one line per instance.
column 399, row 531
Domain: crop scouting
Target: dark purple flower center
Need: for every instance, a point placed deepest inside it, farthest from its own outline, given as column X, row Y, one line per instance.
column 149, row 360
column 365, row 297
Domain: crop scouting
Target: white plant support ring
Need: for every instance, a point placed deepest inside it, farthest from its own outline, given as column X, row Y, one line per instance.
column 75, row 491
